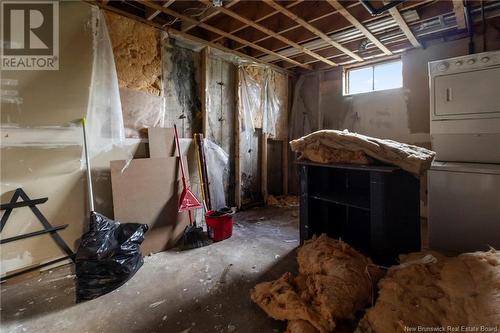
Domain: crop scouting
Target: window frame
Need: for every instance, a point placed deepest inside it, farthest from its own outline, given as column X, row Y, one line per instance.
column 345, row 77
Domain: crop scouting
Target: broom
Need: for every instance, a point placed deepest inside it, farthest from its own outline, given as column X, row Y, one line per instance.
column 193, row 236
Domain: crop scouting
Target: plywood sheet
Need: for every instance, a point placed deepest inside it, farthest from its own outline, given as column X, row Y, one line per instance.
column 147, row 191
column 161, row 142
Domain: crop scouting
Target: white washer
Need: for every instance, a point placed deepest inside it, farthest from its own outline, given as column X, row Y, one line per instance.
column 464, row 181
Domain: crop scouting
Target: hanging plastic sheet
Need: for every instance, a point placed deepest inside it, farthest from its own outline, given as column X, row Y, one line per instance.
column 258, row 99
column 104, row 113
column 271, row 104
column 141, row 111
column 250, row 101
column 218, row 171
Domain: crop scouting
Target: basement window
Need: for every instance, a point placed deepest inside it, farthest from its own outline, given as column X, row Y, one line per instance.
column 381, row 76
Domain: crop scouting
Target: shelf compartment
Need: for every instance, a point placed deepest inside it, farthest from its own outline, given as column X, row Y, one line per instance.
column 354, row 200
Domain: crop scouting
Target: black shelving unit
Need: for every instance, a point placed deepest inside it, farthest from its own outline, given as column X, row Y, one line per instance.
column 374, row 208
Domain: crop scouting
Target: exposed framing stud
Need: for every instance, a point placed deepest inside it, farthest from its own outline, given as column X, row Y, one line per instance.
column 458, row 9
column 260, row 19
column 205, row 26
column 396, row 15
column 155, row 13
column 273, row 34
column 354, row 21
column 210, row 15
column 180, row 34
column 312, row 29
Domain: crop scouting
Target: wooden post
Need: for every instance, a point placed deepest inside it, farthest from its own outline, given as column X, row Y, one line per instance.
column 284, row 166
column 203, row 90
column 263, row 167
column 237, row 134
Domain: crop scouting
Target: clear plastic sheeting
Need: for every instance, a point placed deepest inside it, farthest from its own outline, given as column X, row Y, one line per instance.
column 104, row 113
column 250, row 100
column 141, row 111
column 271, row 104
column 218, row 173
column 258, row 99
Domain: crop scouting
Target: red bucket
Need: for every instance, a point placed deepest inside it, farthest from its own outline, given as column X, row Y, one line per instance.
column 219, row 227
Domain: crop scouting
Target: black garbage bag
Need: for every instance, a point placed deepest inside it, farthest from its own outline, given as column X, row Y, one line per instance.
column 108, row 256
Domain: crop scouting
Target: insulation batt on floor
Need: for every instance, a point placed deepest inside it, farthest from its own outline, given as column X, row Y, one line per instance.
column 334, row 282
column 462, row 291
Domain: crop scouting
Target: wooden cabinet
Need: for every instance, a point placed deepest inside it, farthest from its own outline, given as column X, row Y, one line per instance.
column 375, row 209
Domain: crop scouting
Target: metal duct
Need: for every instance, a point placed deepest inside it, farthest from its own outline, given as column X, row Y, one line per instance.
column 377, row 11
column 436, row 24
column 348, row 35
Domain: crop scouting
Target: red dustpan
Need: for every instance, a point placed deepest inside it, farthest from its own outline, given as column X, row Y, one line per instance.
column 188, row 200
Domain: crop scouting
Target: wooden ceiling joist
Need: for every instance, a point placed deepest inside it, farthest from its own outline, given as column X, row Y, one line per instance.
column 244, row 26
column 210, row 15
column 335, row 4
column 459, row 10
column 205, row 26
column 273, row 34
column 154, row 13
column 396, row 15
column 311, row 28
column 296, row 26
column 186, row 36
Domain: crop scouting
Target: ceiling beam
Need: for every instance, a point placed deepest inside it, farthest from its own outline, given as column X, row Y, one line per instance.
column 405, row 6
column 311, row 28
column 273, row 34
column 155, row 13
column 354, row 21
column 260, row 19
column 205, row 26
column 180, row 34
column 210, row 15
column 396, row 15
column 293, row 27
column 458, row 9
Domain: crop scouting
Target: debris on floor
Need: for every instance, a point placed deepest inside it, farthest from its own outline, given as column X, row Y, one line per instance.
column 334, row 282
column 462, row 291
column 283, row 201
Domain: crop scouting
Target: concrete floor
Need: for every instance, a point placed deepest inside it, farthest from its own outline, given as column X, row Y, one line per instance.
column 201, row 290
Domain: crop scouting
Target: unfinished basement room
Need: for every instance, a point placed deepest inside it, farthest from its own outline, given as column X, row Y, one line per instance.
column 248, row 166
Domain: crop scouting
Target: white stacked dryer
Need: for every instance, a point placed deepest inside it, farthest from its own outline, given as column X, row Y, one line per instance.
column 464, row 180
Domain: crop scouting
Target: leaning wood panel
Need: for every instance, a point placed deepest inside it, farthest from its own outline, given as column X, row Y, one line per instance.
column 147, row 191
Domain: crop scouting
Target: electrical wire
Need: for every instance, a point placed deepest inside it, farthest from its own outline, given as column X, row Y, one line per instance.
column 186, row 11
